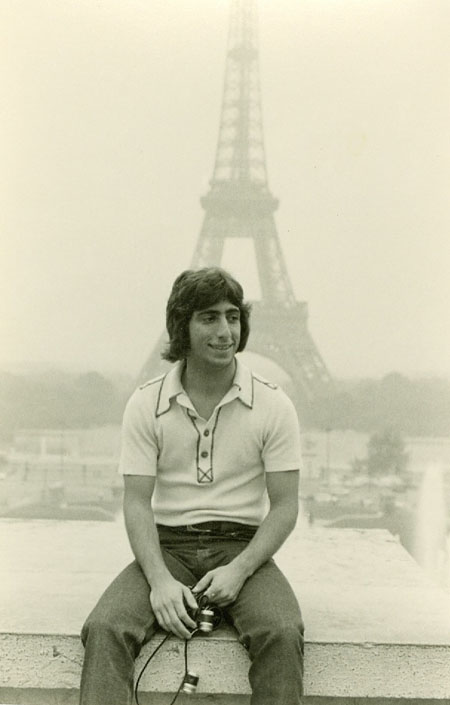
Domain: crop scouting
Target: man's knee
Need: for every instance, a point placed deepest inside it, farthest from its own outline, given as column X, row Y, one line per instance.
column 288, row 633
column 283, row 635
column 97, row 627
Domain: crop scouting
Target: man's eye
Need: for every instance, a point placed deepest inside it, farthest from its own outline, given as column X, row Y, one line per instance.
column 234, row 318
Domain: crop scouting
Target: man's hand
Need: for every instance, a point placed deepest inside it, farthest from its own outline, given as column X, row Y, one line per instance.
column 168, row 599
column 222, row 585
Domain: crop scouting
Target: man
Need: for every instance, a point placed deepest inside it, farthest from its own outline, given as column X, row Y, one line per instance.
column 210, row 459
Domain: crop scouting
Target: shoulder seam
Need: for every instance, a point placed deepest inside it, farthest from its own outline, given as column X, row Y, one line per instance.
column 152, row 381
column 270, row 385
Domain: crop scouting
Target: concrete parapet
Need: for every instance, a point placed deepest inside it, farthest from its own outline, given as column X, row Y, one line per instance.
column 376, row 627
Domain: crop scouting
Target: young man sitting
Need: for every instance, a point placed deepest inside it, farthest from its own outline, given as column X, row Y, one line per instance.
column 210, row 459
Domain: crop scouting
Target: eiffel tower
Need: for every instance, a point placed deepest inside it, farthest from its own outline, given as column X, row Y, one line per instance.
column 240, row 205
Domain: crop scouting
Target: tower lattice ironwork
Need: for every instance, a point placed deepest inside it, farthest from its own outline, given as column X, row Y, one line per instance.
column 240, row 205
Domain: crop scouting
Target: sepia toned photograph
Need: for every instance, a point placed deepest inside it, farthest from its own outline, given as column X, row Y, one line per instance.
column 225, row 352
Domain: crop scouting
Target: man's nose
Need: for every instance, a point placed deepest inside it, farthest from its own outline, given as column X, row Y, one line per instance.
column 224, row 327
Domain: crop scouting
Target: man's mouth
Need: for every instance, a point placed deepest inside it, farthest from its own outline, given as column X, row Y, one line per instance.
column 222, row 347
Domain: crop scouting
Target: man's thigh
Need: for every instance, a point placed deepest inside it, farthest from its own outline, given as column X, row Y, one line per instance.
column 266, row 602
column 125, row 604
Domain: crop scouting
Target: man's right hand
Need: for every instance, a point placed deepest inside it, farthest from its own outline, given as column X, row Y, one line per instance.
column 168, row 599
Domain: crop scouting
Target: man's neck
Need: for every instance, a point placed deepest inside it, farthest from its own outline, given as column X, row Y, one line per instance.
column 208, row 381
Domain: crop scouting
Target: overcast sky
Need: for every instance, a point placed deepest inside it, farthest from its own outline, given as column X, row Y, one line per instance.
column 109, row 120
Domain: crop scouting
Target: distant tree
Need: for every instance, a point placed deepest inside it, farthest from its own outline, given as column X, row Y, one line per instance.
column 359, row 466
column 415, row 407
column 60, row 400
column 386, row 453
column 95, row 399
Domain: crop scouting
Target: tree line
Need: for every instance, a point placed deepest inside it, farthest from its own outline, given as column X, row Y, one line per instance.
column 414, row 407
column 60, row 400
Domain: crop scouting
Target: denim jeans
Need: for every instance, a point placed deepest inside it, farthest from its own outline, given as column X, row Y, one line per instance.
column 265, row 615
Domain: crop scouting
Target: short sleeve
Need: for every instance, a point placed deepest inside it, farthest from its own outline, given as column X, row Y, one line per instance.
column 282, row 450
column 139, row 447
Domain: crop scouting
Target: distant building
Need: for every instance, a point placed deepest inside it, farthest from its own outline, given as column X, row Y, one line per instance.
column 46, row 469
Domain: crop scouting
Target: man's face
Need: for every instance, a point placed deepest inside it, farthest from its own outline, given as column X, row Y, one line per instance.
column 214, row 334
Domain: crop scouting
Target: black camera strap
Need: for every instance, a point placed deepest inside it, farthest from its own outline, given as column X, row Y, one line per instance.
column 208, row 618
column 154, row 652
column 187, row 676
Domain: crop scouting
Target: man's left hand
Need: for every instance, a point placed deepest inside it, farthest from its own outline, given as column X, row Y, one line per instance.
column 221, row 585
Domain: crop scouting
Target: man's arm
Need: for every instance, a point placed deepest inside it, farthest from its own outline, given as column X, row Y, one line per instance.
column 224, row 583
column 167, row 595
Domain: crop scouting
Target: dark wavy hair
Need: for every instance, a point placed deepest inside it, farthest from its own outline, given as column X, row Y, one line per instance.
column 196, row 290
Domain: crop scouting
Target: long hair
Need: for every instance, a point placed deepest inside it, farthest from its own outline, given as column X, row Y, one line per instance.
column 196, row 290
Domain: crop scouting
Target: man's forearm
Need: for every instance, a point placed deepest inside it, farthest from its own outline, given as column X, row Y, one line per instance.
column 271, row 535
column 144, row 540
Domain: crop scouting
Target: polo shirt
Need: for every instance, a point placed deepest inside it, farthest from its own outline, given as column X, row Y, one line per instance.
column 209, row 469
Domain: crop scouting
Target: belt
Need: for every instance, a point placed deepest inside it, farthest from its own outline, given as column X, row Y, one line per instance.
column 212, row 527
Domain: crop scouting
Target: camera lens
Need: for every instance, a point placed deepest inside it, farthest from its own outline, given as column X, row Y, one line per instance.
column 190, row 683
column 206, row 620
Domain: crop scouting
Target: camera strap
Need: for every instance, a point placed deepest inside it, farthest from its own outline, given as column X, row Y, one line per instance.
column 190, row 680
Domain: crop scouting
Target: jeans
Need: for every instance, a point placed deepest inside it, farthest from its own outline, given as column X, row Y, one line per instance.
column 265, row 615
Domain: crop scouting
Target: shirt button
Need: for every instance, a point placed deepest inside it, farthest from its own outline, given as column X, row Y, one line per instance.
column 204, row 453
column 206, row 433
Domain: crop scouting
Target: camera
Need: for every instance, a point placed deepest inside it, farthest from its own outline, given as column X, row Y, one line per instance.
column 206, row 616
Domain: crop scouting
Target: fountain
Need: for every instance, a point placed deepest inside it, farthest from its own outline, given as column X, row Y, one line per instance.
column 431, row 546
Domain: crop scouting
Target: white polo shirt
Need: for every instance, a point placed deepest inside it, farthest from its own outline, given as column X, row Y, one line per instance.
column 209, row 470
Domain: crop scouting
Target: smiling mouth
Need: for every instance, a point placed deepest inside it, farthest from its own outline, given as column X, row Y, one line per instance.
column 222, row 347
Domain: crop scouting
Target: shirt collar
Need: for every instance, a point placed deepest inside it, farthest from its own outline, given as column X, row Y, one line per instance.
column 171, row 387
column 243, row 380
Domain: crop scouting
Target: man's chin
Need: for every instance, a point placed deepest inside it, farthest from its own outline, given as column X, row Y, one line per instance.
column 222, row 358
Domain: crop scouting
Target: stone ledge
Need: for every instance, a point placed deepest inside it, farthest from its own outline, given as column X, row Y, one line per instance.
column 331, row 670
column 376, row 626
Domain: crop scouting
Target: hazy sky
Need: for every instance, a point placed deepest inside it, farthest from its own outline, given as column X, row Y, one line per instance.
column 109, row 121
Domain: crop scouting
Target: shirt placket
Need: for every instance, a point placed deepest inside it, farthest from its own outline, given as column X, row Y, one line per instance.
column 205, row 431
column 205, row 448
